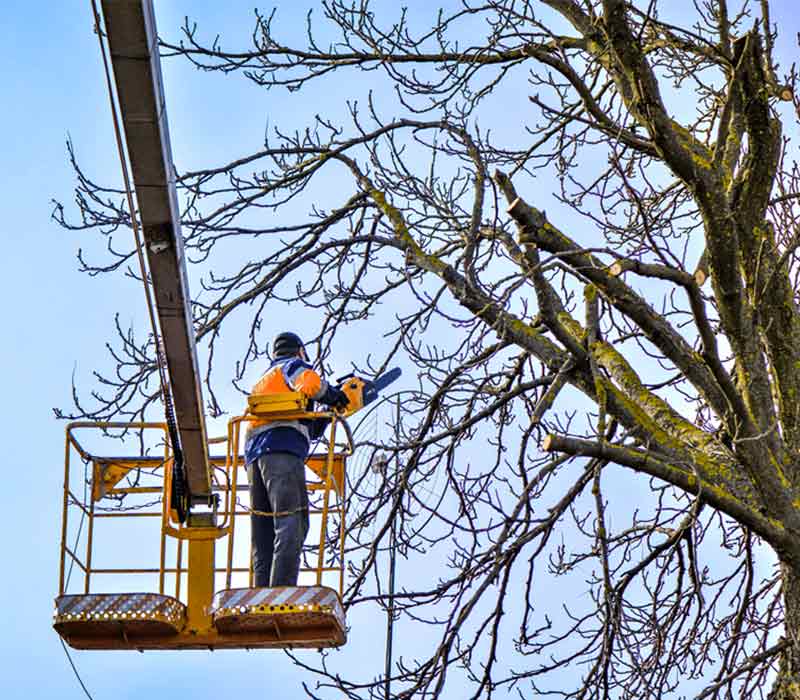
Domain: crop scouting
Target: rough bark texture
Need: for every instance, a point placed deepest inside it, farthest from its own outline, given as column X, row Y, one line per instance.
column 787, row 683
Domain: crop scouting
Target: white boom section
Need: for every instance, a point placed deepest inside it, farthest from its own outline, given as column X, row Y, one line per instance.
column 133, row 43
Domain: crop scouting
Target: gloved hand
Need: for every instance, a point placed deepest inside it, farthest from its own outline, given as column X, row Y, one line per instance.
column 335, row 397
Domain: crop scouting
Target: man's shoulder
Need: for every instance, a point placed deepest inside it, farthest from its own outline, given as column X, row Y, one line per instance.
column 295, row 365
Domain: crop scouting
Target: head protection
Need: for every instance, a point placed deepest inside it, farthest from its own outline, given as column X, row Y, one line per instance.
column 286, row 344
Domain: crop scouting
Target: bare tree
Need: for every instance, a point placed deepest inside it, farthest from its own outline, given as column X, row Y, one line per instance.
column 610, row 395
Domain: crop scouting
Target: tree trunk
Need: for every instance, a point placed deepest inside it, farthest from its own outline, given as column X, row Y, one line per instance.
column 787, row 684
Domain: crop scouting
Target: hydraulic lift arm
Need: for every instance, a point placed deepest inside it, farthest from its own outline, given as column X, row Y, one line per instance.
column 133, row 42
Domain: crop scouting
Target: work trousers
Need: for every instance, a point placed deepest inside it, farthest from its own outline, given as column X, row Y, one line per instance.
column 278, row 486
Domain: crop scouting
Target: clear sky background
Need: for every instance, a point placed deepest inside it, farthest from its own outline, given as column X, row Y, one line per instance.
column 57, row 319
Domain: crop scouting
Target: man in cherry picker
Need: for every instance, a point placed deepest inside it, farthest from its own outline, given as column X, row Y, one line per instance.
column 275, row 453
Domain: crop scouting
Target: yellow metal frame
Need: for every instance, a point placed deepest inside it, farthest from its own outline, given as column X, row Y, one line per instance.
column 331, row 471
column 200, row 568
column 70, row 498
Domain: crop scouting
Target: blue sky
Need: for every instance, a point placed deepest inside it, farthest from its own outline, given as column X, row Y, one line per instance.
column 57, row 320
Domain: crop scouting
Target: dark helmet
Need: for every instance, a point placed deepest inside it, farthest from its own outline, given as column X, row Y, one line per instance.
column 286, row 344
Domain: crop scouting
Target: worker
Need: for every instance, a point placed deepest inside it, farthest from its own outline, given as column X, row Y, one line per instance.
column 275, row 454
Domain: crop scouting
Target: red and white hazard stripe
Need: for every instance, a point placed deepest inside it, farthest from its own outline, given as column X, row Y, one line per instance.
column 244, row 600
column 96, row 606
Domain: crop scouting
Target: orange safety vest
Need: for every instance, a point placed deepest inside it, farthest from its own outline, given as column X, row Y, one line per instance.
column 284, row 376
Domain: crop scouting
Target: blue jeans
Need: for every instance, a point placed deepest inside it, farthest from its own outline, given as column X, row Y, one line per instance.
column 278, row 485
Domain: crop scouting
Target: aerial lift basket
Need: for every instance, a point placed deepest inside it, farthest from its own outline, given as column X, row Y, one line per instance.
column 192, row 614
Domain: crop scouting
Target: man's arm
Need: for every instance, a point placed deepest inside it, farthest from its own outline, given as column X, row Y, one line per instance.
column 301, row 377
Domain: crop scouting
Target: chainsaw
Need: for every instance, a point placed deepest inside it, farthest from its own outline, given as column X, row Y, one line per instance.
column 362, row 391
